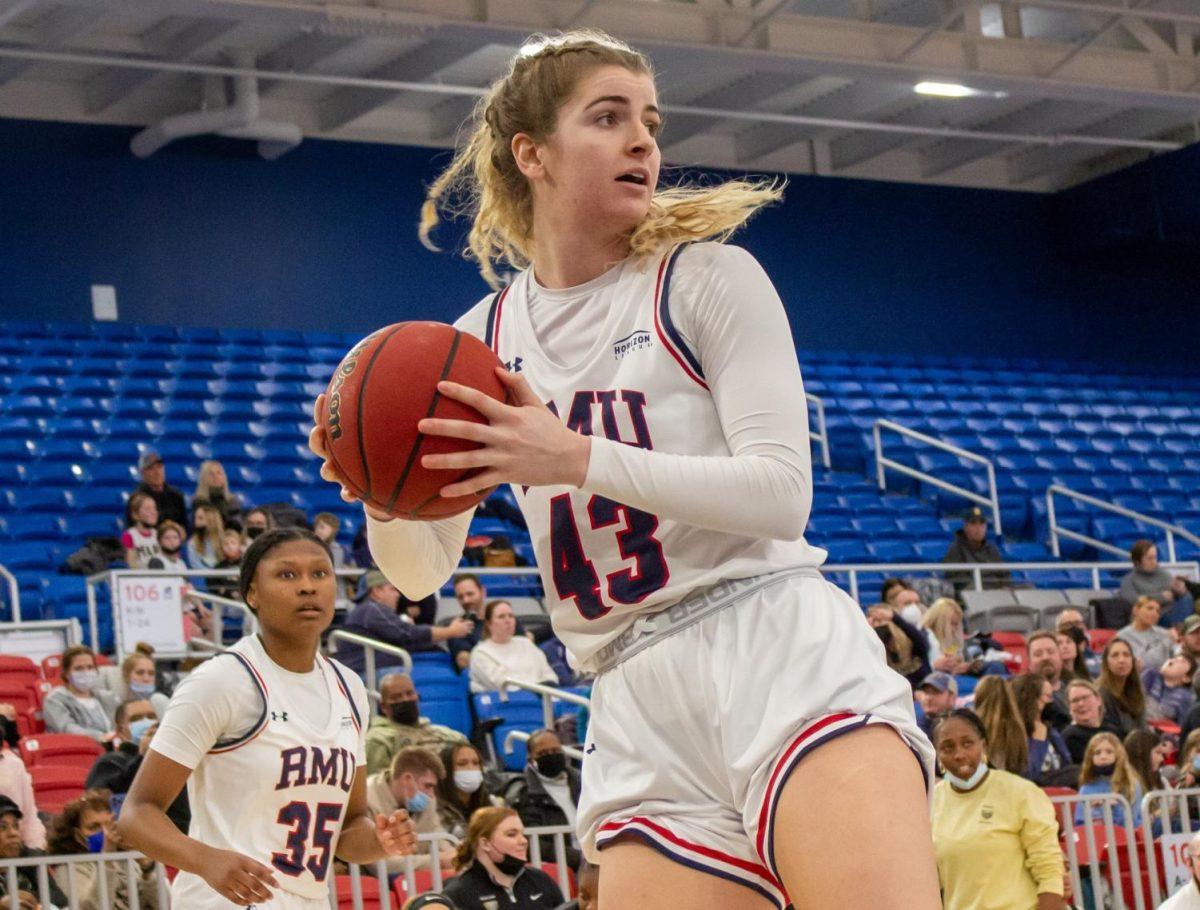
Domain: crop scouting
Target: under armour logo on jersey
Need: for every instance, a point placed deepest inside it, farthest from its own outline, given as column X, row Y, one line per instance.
column 282, row 715
column 514, row 365
column 634, row 341
column 590, row 749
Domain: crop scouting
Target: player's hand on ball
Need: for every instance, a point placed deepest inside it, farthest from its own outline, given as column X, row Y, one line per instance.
column 316, row 443
column 238, row 878
column 397, row 833
column 522, row 443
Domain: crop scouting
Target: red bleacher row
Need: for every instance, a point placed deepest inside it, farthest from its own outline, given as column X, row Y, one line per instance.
column 399, row 888
column 1013, row 644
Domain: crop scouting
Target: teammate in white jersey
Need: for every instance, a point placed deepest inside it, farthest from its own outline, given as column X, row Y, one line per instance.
column 657, row 442
column 269, row 738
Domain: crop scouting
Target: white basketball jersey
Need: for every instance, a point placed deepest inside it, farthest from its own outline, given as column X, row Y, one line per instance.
column 277, row 794
column 603, row 563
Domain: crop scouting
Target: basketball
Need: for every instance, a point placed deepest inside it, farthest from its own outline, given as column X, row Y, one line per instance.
column 381, row 389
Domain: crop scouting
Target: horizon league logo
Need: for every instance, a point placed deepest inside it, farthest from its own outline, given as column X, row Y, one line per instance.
column 635, row 341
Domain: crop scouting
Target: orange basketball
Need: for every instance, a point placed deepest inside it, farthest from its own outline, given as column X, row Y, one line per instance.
column 380, row 390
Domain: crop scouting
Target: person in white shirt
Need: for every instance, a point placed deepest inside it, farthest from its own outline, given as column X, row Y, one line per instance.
column 171, row 537
column 505, row 655
column 1187, row 897
column 140, row 539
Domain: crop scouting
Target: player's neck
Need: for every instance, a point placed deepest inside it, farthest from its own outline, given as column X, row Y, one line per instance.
column 291, row 654
column 570, row 255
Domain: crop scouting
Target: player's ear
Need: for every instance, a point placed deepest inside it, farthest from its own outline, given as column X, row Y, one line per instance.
column 528, row 156
column 252, row 599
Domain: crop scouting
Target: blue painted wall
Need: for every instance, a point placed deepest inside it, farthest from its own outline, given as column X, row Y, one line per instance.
column 205, row 233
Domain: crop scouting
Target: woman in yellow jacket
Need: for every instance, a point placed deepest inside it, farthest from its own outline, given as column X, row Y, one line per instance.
column 995, row 834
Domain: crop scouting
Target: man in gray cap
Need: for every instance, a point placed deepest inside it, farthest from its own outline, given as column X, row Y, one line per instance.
column 937, row 694
column 971, row 545
column 170, row 502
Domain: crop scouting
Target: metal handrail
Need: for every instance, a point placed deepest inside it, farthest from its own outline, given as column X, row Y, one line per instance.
column 522, row 737
column 126, row 858
column 1106, row 802
column 549, row 695
column 370, row 646
column 881, row 463
column 249, row 620
column 822, row 433
column 14, row 592
column 1056, row 531
column 1173, row 806
column 70, row 626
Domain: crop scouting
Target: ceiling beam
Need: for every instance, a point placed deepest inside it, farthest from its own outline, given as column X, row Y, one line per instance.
column 745, row 93
column 303, row 53
column 62, row 28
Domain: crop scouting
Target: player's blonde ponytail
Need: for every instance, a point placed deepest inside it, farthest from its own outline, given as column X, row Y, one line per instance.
column 484, row 183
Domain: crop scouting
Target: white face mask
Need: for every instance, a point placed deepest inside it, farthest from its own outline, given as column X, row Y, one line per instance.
column 959, row 784
column 468, row 781
column 84, row 680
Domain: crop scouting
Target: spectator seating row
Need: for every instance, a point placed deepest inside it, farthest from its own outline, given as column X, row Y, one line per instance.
column 518, row 711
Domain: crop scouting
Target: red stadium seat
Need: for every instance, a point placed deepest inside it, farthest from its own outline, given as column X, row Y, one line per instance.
column 1059, row 791
column 424, row 882
column 59, row 750
column 1013, row 644
column 52, row 668
column 551, row 869
column 1098, row 638
column 22, row 697
column 20, row 670
column 55, row 786
column 369, row 892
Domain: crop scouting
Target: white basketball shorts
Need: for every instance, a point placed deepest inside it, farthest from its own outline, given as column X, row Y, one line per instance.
column 193, row 893
column 693, row 737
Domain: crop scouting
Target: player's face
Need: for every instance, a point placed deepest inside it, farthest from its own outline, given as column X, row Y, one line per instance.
column 604, row 133
column 10, row 836
column 510, row 838
column 294, row 588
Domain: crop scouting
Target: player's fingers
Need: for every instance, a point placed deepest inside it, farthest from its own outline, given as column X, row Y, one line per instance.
column 518, row 387
column 316, row 443
column 486, row 405
column 262, row 872
column 317, row 407
column 476, row 458
column 456, row 429
column 472, row 485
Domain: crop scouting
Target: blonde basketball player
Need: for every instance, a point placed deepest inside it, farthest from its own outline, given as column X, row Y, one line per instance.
column 269, row 738
column 749, row 746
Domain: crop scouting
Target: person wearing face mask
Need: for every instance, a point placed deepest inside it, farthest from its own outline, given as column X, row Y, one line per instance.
column 12, row 847
column 171, row 537
column 73, row 707
column 491, row 862
column 994, row 833
column 549, row 793
column 86, row 826
column 464, row 789
column 135, row 678
column 258, row 522
column 411, row 784
column 1106, row 770
column 399, row 724
column 133, row 717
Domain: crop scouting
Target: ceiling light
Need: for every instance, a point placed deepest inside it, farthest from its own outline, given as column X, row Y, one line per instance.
column 945, row 90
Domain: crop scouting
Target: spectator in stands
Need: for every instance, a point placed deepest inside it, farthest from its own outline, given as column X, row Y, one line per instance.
column 1121, row 688
column 1045, row 659
column 550, row 792
column 907, row 649
column 1087, row 717
column 996, row 707
column 133, row 717
column 135, row 678
column 170, row 541
column 937, row 694
column 1146, row 752
column 970, row 545
column 1073, row 662
column 326, row 526
column 1106, row 770
column 375, row 617
column 411, row 784
column 556, row 656
column 212, row 488
column 951, row 651
column 86, row 826
column 995, row 834
column 1151, row 643
column 258, row 521
column 154, row 483
column 1148, row 579
column 399, row 724
column 1070, row 622
column 73, row 707
column 491, row 862
column 1187, row 897
column 903, row 598
column 14, row 846
column 1169, row 694
column 231, row 558
column 464, row 789
column 140, row 539
column 208, row 530
column 588, row 882
column 1049, row 757
column 505, row 655
column 15, row 782
column 472, row 597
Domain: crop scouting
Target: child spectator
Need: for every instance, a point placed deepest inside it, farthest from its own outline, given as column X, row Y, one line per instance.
column 326, row 526
column 140, row 539
column 212, row 488
column 1008, row 748
column 170, row 540
column 1169, row 694
column 231, row 558
column 1106, row 770
column 204, row 549
column 73, row 707
column 1121, row 688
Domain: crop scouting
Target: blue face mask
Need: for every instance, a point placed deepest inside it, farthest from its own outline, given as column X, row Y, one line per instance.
column 144, row 689
column 138, row 729
column 95, row 842
column 417, row 803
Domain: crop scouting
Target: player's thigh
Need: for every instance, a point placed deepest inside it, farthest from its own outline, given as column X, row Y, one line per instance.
column 878, row 851
column 633, row 875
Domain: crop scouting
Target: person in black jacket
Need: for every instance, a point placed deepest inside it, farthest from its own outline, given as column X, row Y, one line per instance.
column 11, row 847
column 170, row 502
column 111, row 766
column 549, row 793
column 492, row 871
column 971, row 545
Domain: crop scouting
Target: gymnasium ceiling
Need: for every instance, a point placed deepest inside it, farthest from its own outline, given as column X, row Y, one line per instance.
column 1067, row 89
